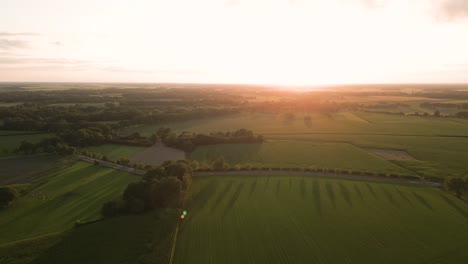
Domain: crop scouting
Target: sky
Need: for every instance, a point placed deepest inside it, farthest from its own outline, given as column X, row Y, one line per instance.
column 284, row 42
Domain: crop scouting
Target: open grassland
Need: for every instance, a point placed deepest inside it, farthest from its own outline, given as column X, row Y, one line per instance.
column 281, row 219
column 144, row 239
column 298, row 154
column 114, row 152
column 25, row 169
column 71, row 193
column 8, row 144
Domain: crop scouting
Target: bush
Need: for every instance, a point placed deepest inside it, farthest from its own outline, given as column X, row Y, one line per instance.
column 7, row 196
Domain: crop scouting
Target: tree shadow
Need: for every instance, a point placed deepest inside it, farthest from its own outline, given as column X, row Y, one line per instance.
column 423, row 201
column 205, row 193
column 455, row 206
column 278, row 185
column 402, row 195
column 345, row 193
column 233, row 199
column 303, row 188
column 317, row 200
column 331, row 193
column 390, row 197
column 252, row 187
column 267, row 182
column 221, row 195
column 371, row 190
column 358, row 191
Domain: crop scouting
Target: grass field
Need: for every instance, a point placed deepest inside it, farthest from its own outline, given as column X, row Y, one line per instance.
column 285, row 153
column 281, row 219
column 9, row 143
column 115, row 152
column 72, row 193
column 24, row 169
column 144, row 239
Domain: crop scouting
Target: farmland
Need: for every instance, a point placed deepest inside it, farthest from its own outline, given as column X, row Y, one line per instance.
column 297, row 154
column 21, row 169
column 114, row 152
column 287, row 219
column 9, row 143
column 72, row 193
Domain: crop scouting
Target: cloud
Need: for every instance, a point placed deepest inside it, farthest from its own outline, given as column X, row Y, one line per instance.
column 18, row 34
column 453, row 9
column 13, row 44
column 138, row 71
column 56, row 43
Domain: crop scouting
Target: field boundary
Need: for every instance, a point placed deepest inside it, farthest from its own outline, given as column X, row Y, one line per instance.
column 171, row 259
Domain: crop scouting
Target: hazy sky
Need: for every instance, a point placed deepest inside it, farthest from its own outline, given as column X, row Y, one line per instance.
column 240, row 41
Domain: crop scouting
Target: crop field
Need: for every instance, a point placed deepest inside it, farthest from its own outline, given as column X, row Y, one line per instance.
column 72, row 193
column 9, row 143
column 24, row 169
column 342, row 122
column 294, row 219
column 144, row 239
column 157, row 154
column 298, row 154
column 114, row 151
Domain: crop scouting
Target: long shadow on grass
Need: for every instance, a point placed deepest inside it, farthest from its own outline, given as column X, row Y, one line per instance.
column 358, row 191
column 221, row 195
column 390, row 197
column 344, row 191
column 278, row 185
column 267, row 181
column 303, row 188
column 253, row 186
column 331, row 193
column 455, row 206
column 203, row 196
column 371, row 190
column 404, row 196
column 422, row 201
column 317, row 200
column 233, row 199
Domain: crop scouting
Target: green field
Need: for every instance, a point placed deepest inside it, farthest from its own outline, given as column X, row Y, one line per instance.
column 9, row 143
column 25, row 169
column 143, row 239
column 342, row 122
column 72, row 193
column 297, row 154
column 281, row 219
column 114, row 152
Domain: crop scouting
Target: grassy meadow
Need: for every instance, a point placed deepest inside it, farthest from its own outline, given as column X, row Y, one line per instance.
column 289, row 219
column 25, row 169
column 71, row 193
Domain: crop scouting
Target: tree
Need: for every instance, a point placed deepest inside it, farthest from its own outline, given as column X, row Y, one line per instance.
column 456, row 185
column 7, row 196
column 26, row 147
column 123, row 161
column 437, row 113
column 220, row 164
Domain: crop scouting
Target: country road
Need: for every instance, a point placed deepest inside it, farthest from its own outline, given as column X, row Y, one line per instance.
column 266, row 172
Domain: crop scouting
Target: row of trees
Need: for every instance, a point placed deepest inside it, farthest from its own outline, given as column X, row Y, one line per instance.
column 189, row 141
column 456, row 185
column 163, row 186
